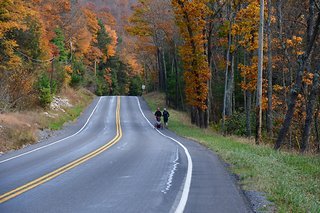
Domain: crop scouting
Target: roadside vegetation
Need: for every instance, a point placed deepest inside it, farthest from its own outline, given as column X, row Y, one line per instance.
column 55, row 50
column 290, row 180
column 21, row 128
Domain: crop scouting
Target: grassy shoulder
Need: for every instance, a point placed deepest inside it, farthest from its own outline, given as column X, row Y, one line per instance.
column 290, row 180
column 18, row 129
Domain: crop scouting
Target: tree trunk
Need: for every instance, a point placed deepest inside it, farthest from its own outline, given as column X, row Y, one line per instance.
column 160, row 73
column 226, row 81
column 302, row 59
column 165, row 77
column 269, row 111
column 177, row 80
column 193, row 115
column 291, row 106
column 310, row 110
column 259, row 80
column 230, row 88
column 248, row 113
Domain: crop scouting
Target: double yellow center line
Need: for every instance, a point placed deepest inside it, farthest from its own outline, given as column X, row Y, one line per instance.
column 32, row 184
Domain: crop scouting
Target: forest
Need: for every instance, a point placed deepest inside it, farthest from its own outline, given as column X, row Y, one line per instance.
column 46, row 46
column 249, row 68
column 243, row 67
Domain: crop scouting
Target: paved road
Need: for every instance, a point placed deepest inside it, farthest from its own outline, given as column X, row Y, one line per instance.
column 112, row 160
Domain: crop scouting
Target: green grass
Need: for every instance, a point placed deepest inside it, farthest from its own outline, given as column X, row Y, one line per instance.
column 70, row 115
column 290, row 180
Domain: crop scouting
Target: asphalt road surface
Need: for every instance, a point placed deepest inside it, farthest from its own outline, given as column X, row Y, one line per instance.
column 113, row 160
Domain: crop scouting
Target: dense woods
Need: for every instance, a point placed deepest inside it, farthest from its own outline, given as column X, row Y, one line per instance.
column 244, row 67
column 46, row 46
column 236, row 65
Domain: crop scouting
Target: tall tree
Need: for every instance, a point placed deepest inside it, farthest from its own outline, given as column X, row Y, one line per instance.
column 191, row 19
column 302, row 62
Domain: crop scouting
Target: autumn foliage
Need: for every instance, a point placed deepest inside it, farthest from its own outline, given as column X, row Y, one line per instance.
column 190, row 17
column 69, row 42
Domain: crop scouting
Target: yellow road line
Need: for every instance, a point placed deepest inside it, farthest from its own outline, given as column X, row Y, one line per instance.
column 45, row 178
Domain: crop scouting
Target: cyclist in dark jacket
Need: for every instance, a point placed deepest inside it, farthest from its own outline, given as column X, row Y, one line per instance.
column 166, row 116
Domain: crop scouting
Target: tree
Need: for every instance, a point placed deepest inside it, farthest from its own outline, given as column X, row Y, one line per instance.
column 312, row 34
column 191, row 19
column 269, row 38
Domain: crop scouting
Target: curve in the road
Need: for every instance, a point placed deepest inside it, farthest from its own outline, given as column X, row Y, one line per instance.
column 187, row 184
column 32, row 184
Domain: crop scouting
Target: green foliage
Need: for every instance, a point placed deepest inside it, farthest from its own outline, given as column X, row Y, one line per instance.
column 236, row 123
column 135, row 86
column 59, row 41
column 29, row 40
column 44, row 89
column 103, row 38
column 102, row 87
column 118, row 74
column 79, row 69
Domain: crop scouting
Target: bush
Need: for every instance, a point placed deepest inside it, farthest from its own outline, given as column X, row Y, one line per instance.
column 45, row 96
column 236, row 123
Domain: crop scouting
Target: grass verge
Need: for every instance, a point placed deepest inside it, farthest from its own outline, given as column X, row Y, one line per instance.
column 291, row 181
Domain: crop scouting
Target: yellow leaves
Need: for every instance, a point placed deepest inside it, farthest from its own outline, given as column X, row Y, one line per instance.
column 277, row 88
column 246, row 25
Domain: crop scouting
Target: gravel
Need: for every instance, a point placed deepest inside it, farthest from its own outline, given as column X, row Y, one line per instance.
column 259, row 202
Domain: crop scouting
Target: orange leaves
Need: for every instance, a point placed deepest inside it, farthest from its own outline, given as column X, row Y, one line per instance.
column 295, row 44
column 111, row 48
column 249, row 74
column 246, row 26
column 307, row 78
column 190, row 16
column 92, row 23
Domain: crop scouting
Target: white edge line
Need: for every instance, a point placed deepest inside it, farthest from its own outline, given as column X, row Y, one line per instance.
column 186, row 188
column 58, row 141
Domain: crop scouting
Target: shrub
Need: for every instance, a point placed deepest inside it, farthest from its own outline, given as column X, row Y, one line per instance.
column 236, row 123
column 44, row 89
